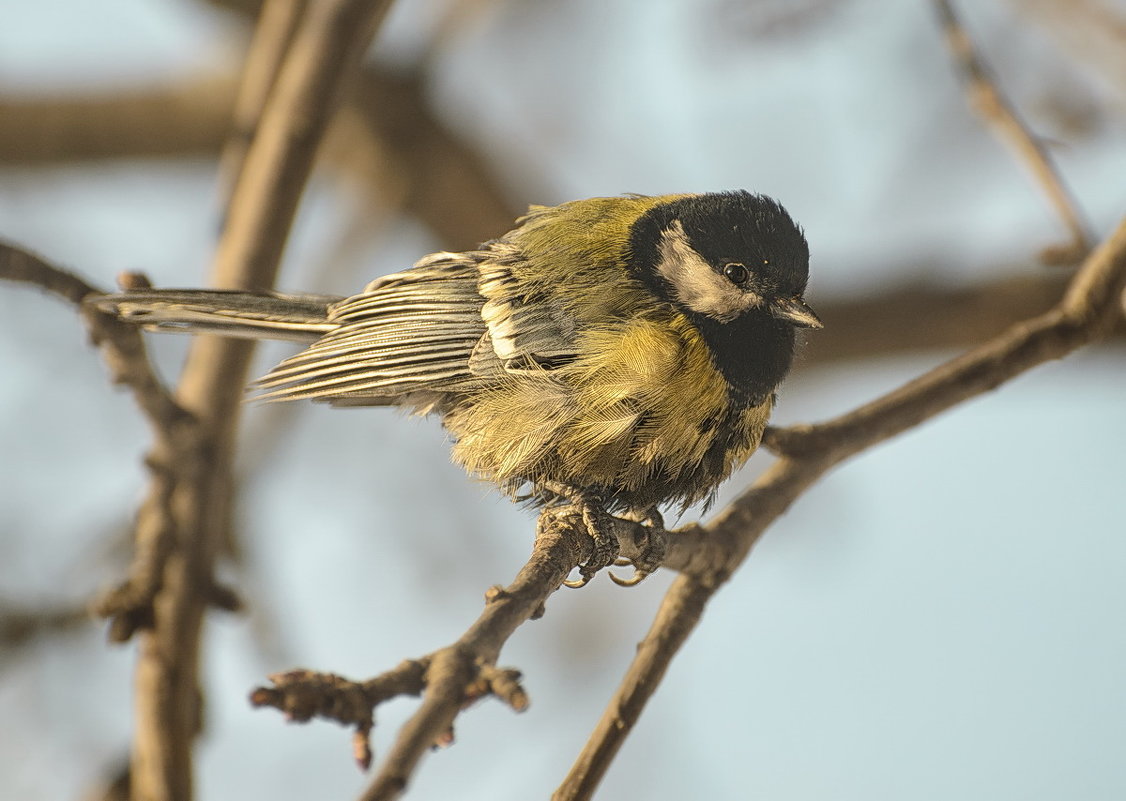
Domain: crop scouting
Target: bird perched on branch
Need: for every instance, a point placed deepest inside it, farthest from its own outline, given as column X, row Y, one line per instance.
column 616, row 354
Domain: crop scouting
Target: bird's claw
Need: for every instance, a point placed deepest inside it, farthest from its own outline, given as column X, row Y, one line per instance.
column 638, row 576
column 599, row 525
column 652, row 553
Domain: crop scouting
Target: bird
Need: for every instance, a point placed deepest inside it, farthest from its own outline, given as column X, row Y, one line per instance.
column 620, row 355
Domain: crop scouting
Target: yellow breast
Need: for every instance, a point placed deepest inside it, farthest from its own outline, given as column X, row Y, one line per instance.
column 641, row 414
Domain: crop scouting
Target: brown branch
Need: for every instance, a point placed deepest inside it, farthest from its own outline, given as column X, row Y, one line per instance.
column 19, row 624
column 561, row 544
column 17, row 264
column 180, row 119
column 450, row 678
column 464, row 671
column 987, row 98
column 681, row 608
column 129, row 606
column 180, row 450
column 389, row 137
column 1088, row 310
column 305, row 694
column 920, row 317
column 327, row 49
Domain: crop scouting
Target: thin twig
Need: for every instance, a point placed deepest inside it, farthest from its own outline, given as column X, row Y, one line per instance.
column 466, row 669
column 18, row 264
column 18, row 623
column 561, row 544
column 327, row 49
column 1088, row 310
column 129, row 606
column 304, row 694
column 451, row 678
column 121, row 343
column 681, row 608
column 986, row 97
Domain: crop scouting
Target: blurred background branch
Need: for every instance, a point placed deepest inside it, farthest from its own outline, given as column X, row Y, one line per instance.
column 19, row 624
column 996, row 109
column 387, row 142
column 190, row 499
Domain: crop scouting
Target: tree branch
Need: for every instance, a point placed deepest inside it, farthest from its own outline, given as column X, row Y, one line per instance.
column 18, row 623
column 389, row 137
column 129, row 606
column 455, row 674
column 987, row 98
column 179, row 119
column 327, row 49
column 452, row 677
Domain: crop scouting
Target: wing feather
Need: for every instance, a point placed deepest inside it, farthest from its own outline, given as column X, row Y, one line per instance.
column 525, row 328
column 412, row 332
column 455, row 322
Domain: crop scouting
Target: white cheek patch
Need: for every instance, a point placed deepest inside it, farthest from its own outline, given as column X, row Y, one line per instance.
column 695, row 284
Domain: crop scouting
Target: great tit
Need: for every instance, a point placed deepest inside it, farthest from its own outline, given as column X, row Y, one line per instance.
column 617, row 353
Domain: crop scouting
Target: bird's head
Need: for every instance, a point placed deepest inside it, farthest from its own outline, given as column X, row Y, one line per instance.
column 724, row 255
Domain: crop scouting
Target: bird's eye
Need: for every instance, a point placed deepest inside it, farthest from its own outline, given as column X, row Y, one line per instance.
column 736, row 273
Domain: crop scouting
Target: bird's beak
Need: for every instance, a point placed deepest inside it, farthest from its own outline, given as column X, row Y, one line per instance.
column 796, row 312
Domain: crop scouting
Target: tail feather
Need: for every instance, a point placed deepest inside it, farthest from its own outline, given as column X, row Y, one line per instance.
column 231, row 313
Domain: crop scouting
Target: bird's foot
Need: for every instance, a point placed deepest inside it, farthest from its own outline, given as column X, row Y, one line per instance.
column 653, row 549
column 599, row 525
